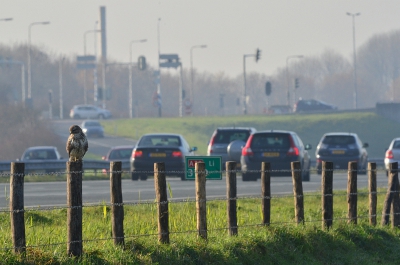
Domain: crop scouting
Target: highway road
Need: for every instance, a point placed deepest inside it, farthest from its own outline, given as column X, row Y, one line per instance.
column 46, row 194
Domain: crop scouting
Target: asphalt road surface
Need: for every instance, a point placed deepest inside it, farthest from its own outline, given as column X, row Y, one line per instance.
column 46, row 194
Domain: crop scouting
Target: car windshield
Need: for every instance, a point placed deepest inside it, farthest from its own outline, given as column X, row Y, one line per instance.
column 225, row 137
column 160, row 140
column 120, row 154
column 270, row 140
column 339, row 140
column 40, row 154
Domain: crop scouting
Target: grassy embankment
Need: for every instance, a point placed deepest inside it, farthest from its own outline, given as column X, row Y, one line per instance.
column 283, row 242
column 372, row 128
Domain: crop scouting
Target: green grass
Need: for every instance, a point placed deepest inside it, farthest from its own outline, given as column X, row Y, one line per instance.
column 283, row 242
column 378, row 131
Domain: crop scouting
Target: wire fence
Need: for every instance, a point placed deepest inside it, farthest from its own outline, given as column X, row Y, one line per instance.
column 391, row 207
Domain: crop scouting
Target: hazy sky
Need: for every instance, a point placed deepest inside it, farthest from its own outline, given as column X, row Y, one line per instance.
column 229, row 28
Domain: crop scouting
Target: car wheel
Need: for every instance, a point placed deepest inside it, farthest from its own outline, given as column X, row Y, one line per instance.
column 182, row 176
column 143, row 177
column 135, row 176
column 305, row 174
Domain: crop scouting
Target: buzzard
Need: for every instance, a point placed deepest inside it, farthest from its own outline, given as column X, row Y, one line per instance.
column 77, row 144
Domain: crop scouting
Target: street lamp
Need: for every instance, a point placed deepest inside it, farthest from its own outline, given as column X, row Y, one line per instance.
column 353, row 15
column 191, row 71
column 130, row 77
column 287, row 75
column 159, row 100
column 29, row 56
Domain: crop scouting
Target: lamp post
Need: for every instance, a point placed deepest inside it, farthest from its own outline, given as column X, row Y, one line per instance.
column 353, row 15
column 191, row 71
column 287, row 75
column 60, row 83
column 29, row 56
column 84, row 53
column 158, row 71
column 130, row 77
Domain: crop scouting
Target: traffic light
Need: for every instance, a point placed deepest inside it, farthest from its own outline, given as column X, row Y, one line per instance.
column 142, row 63
column 268, row 88
column 258, row 54
column 296, row 83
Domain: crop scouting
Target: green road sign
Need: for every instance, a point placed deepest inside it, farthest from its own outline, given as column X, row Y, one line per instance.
column 212, row 164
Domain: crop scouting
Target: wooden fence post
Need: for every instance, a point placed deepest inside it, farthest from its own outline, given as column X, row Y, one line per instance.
column 298, row 192
column 372, row 193
column 389, row 194
column 231, row 193
column 395, row 207
column 74, row 211
column 352, row 192
column 201, row 208
column 117, row 208
column 327, row 194
column 17, row 207
column 160, row 186
column 266, row 192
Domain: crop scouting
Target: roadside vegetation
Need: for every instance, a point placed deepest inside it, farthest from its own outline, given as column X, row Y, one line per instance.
column 282, row 242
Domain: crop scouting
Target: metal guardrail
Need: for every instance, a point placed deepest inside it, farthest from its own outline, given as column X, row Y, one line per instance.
column 60, row 165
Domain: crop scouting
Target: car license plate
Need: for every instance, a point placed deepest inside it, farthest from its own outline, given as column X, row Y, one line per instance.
column 271, row 154
column 338, row 152
column 158, row 155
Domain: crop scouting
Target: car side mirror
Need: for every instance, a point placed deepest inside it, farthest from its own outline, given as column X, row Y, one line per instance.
column 194, row 148
column 308, row 147
column 365, row 145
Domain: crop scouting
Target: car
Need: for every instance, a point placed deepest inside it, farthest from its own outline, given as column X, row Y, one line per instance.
column 223, row 137
column 392, row 154
column 309, row 105
column 92, row 128
column 89, row 112
column 151, row 148
column 340, row 148
column 119, row 153
column 40, row 153
column 280, row 148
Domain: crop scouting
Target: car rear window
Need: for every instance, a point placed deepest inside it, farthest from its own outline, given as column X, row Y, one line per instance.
column 270, row 140
column 160, row 141
column 396, row 145
column 120, row 154
column 226, row 137
column 339, row 139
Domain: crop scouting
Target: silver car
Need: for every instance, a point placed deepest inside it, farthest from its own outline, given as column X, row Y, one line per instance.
column 392, row 154
column 89, row 112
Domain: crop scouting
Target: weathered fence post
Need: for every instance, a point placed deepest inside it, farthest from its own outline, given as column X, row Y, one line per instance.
column 327, row 194
column 231, row 193
column 372, row 193
column 392, row 183
column 74, row 211
column 160, row 186
column 298, row 192
column 17, row 207
column 201, row 208
column 352, row 192
column 266, row 192
column 395, row 208
column 117, row 208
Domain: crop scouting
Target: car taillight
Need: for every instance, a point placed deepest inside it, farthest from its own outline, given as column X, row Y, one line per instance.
column 389, row 154
column 293, row 150
column 176, row 154
column 137, row 154
column 211, row 144
column 246, row 150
